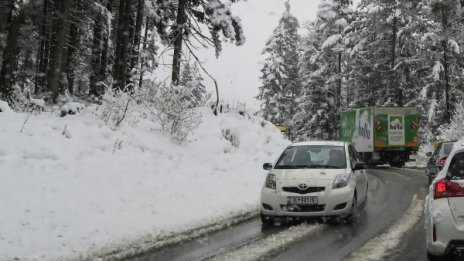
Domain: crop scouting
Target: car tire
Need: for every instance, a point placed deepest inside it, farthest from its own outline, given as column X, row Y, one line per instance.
column 433, row 257
column 363, row 205
column 267, row 220
column 397, row 164
column 347, row 219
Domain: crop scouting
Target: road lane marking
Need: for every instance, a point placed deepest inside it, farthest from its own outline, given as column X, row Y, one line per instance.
column 383, row 246
column 267, row 246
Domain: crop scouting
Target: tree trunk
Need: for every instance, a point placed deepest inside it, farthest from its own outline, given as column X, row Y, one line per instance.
column 137, row 36
column 178, row 34
column 120, row 68
column 444, row 42
column 392, row 92
column 60, row 31
column 339, row 81
column 73, row 45
column 104, row 56
column 42, row 54
column 96, row 57
column 143, row 63
column 119, row 39
column 10, row 53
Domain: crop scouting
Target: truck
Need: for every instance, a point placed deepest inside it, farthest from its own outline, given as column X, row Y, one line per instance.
column 382, row 135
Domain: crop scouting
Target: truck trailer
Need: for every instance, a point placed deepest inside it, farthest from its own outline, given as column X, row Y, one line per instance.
column 382, row 135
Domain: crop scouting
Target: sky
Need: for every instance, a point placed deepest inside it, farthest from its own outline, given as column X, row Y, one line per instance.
column 237, row 70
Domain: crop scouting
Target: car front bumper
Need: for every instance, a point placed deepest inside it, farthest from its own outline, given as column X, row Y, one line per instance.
column 331, row 202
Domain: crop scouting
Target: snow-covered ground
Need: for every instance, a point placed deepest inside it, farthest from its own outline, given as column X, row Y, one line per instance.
column 71, row 186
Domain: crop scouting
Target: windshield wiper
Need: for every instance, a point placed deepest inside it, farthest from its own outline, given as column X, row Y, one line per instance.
column 285, row 167
column 334, row 167
column 316, row 166
column 293, row 167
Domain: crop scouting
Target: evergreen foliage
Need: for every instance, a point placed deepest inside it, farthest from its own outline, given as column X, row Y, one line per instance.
column 191, row 79
column 378, row 53
column 281, row 85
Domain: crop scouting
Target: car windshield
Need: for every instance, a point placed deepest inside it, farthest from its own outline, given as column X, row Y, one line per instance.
column 312, row 156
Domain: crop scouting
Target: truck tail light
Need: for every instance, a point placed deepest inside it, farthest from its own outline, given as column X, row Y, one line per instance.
column 445, row 188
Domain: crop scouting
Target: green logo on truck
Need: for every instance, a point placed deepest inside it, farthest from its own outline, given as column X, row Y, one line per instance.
column 396, row 130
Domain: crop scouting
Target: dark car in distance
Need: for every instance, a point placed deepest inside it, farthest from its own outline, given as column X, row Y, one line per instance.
column 438, row 158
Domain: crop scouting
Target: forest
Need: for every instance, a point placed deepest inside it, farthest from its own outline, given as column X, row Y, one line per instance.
column 372, row 53
column 54, row 51
column 354, row 54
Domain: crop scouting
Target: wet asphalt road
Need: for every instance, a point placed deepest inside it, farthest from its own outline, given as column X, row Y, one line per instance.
column 390, row 194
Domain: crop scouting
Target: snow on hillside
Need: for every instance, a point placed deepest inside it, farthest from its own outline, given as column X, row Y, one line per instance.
column 70, row 186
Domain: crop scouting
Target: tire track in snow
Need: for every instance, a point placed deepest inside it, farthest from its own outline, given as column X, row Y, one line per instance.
column 383, row 245
column 266, row 247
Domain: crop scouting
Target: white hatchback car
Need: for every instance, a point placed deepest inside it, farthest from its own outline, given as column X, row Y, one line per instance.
column 444, row 207
column 314, row 179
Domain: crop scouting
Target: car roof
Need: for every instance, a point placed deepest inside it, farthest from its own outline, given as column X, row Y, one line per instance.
column 449, row 141
column 322, row 142
column 458, row 146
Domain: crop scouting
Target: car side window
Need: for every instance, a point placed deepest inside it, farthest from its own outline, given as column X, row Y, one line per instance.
column 456, row 168
column 353, row 157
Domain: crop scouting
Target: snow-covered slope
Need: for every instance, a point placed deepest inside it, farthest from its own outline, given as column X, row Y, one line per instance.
column 71, row 186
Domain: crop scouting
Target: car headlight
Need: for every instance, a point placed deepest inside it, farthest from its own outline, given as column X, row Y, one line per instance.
column 341, row 181
column 271, row 181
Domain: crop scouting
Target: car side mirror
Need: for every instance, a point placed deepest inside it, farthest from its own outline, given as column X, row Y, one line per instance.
column 359, row 166
column 428, row 154
column 267, row 166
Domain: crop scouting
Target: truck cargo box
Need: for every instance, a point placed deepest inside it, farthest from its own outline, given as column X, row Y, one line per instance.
column 376, row 129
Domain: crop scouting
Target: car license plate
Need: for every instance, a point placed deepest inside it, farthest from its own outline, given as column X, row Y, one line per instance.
column 302, row 200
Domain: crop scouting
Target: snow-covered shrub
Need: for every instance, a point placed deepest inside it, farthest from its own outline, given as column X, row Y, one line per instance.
column 174, row 111
column 72, row 108
column 455, row 129
column 233, row 138
column 24, row 102
column 114, row 108
column 4, row 107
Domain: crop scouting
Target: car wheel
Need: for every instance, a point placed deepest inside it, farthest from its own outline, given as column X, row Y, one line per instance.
column 397, row 164
column 267, row 220
column 433, row 257
column 363, row 205
column 349, row 217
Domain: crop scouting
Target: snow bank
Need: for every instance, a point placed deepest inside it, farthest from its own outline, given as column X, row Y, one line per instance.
column 64, row 196
column 4, row 107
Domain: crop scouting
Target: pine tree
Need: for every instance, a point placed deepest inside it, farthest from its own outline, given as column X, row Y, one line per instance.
column 280, row 79
column 325, row 72
column 11, row 50
column 193, row 81
column 311, row 119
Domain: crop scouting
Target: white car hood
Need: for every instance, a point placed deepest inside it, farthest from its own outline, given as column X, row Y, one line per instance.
column 292, row 174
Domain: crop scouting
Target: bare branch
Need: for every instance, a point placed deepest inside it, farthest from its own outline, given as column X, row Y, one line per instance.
column 207, row 73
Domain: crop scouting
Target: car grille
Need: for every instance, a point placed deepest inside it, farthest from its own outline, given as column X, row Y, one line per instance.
column 303, row 191
column 299, row 208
